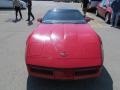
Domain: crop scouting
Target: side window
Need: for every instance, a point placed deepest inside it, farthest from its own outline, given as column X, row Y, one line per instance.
column 110, row 2
column 102, row 3
column 105, row 3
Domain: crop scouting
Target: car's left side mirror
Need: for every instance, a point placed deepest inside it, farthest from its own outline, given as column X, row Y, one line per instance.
column 39, row 20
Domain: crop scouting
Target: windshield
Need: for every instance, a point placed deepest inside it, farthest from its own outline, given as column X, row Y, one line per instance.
column 111, row 2
column 63, row 16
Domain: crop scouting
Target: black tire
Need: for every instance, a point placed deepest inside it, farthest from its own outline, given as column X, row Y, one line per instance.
column 107, row 18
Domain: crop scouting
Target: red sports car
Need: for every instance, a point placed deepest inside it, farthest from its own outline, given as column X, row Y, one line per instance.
column 64, row 47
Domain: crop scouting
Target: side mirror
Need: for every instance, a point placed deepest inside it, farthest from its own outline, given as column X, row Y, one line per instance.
column 39, row 20
column 87, row 19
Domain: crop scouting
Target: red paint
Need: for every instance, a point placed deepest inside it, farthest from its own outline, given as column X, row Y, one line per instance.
column 64, row 46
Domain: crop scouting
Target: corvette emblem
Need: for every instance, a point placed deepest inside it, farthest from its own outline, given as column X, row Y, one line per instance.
column 63, row 54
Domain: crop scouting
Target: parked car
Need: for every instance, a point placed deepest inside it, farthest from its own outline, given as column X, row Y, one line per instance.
column 9, row 4
column 25, row 0
column 64, row 46
column 93, row 4
column 104, row 10
column 76, row 1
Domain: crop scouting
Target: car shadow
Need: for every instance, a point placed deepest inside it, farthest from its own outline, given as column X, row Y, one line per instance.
column 30, row 23
column 91, row 10
column 104, row 82
column 6, row 9
column 10, row 9
column 13, row 20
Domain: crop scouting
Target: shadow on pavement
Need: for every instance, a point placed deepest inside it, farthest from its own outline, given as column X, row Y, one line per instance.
column 30, row 23
column 6, row 9
column 102, row 83
column 13, row 20
column 10, row 9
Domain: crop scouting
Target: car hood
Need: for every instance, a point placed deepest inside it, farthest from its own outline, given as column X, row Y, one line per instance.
column 64, row 41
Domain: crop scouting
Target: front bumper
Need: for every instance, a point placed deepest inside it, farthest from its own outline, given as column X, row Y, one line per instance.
column 64, row 74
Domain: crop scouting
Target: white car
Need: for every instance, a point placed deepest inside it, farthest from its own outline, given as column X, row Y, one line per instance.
column 9, row 4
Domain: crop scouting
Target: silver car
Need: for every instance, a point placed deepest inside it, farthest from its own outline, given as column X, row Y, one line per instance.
column 9, row 4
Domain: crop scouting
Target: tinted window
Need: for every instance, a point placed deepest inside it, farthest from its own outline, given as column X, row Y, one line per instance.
column 63, row 16
column 111, row 2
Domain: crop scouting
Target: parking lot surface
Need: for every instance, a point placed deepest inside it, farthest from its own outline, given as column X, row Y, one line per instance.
column 13, row 35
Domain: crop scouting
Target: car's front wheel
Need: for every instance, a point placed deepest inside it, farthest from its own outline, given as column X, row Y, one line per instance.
column 107, row 18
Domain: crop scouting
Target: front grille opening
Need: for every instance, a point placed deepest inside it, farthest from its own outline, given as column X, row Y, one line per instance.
column 86, row 72
column 41, row 70
column 76, row 71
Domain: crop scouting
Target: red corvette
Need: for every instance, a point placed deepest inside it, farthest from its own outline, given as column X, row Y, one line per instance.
column 64, row 47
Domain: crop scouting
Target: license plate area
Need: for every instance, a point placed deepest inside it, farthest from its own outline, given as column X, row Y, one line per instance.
column 64, row 73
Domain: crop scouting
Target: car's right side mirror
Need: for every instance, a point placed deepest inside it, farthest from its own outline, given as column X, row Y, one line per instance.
column 87, row 19
column 39, row 20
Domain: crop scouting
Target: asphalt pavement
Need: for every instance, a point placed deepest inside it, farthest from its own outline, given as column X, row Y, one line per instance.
column 13, row 35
